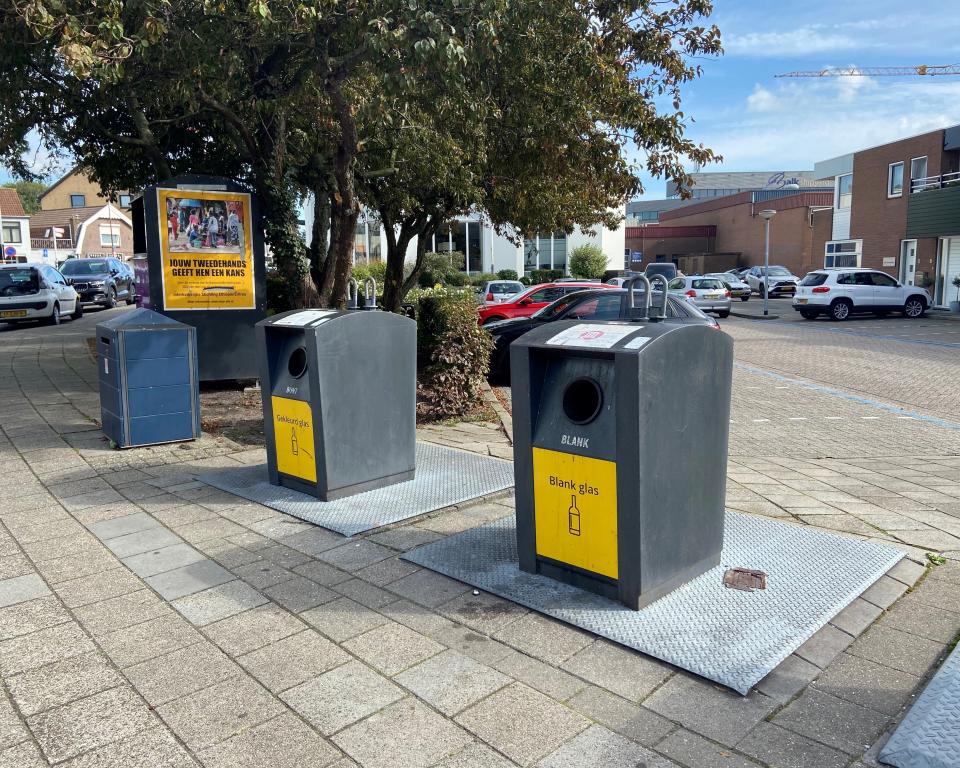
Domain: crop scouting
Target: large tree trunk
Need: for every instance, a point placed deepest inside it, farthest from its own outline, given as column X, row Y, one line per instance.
column 425, row 234
column 344, row 207
column 319, row 235
column 393, row 291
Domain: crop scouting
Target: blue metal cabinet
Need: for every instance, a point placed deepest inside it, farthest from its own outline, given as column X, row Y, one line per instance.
column 149, row 386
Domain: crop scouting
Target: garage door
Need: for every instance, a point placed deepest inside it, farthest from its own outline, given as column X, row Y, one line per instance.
column 951, row 250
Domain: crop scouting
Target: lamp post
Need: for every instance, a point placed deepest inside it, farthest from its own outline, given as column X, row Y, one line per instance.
column 766, row 215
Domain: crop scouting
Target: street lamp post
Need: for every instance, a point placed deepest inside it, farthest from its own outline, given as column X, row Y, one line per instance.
column 766, row 215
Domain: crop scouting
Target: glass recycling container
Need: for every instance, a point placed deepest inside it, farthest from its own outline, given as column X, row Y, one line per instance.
column 620, row 453
column 339, row 400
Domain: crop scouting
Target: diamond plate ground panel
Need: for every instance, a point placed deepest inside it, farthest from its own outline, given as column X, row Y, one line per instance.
column 734, row 638
column 929, row 736
column 445, row 476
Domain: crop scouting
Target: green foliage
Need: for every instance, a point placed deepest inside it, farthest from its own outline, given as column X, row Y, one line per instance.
column 441, row 269
column 481, row 279
column 375, row 269
column 278, row 295
column 507, row 274
column 454, row 351
column 538, row 276
column 588, row 261
column 29, row 193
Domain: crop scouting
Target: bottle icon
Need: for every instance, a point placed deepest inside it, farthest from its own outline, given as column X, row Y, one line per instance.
column 294, row 446
column 573, row 517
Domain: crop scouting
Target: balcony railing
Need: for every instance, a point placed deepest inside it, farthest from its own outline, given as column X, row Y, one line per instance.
column 60, row 244
column 935, row 182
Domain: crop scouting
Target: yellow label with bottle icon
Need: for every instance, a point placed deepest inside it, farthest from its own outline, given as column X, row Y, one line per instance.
column 293, row 438
column 575, row 506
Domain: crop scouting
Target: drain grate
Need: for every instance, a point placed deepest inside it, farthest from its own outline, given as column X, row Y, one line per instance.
column 744, row 579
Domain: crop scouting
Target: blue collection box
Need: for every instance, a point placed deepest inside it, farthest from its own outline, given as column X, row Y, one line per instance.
column 149, row 384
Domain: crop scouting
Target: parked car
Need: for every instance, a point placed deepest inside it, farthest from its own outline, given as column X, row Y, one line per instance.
column 841, row 292
column 666, row 268
column 36, row 292
column 534, row 298
column 499, row 291
column 707, row 294
column 590, row 304
column 781, row 280
column 738, row 288
column 103, row 281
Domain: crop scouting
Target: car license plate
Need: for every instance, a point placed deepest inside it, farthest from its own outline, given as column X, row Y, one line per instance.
column 14, row 313
column 802, row 301
column 712, row 296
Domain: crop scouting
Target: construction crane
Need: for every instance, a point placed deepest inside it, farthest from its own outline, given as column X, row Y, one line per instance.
column 921, row 70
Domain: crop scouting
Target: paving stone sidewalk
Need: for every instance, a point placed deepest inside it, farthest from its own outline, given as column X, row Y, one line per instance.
column 147, row 619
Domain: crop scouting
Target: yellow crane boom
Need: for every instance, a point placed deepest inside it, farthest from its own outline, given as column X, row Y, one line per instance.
column 921, row 70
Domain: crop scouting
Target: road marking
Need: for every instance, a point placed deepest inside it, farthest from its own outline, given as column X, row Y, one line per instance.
column 797, row 418
column 760, row 421
column 835, row 418
column 907, row 418
column 781, row 387
column 870, row 417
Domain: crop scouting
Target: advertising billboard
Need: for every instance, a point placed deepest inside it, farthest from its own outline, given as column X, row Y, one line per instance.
column 206, row 249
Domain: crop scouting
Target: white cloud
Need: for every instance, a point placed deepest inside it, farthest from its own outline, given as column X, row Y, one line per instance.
column 801, row 41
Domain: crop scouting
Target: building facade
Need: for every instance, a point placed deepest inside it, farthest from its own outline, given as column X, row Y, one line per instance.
column 896, row 207
column 486, row 250
column 65, row 233
column 723, row 183
column 14, row 228
column 796, row 230
column 76, row 190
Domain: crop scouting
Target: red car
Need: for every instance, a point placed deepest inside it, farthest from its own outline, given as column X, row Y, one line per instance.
column 529, row 301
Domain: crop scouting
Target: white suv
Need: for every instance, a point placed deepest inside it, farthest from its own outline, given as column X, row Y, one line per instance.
column 782, row 282
column 843, row 291
column 36, row 292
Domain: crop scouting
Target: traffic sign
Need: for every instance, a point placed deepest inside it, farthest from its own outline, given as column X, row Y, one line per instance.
column 10, row 251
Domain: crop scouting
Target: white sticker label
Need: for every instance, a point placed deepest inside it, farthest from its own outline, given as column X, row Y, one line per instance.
column 106, row 365
column 593, row 336
column 636, row 342
column 306, row 317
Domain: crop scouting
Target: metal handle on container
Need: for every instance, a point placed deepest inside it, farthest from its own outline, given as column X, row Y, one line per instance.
column 369, row 293
column 630, row 285
column 352, row 295
column 662, row 313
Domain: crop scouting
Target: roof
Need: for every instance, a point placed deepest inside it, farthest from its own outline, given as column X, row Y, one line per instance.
column 61, row 217
column 748, row 180
column 638, row 206
column 10, row 204
column 76, row 170
column 785, row 202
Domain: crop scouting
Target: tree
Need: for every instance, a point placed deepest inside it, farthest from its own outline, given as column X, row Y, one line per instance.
column 29, row 193
column 588, row 261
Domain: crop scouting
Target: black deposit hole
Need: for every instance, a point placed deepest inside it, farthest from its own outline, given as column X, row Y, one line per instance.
column 582, row 400
column 297, row 365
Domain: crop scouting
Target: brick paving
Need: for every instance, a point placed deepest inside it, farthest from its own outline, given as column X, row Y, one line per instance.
column 149, row 620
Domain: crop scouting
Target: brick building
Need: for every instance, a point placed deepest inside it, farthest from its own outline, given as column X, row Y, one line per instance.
column 797, row 232
column 896, row 207
column 76, row 190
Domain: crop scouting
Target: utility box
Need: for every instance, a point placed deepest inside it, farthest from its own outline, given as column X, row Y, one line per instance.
column 149, row 386
column 620, row 453
column 339, row 400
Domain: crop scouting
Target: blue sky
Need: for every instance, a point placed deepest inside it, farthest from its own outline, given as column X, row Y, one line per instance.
column 762, row 123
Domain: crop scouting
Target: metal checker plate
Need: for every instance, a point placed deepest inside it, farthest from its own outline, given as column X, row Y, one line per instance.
column 732, row 637
column 929, row 736
column 445, row 476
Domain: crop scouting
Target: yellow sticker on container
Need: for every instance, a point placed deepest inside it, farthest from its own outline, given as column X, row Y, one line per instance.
column 293, row 438
column 575, row 506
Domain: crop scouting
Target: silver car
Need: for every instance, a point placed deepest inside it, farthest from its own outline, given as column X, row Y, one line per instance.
column 499, row 291
column 707, row 294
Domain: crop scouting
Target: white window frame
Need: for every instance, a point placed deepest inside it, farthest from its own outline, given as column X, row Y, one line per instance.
column 110, row 236
column 837, row 205
column 926, row 169
column 15, row 226
column 857, row 252
column 890, row 167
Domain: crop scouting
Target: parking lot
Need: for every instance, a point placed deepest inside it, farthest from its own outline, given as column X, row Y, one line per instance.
column 331, row 652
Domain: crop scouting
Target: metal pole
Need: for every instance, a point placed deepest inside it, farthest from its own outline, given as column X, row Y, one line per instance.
column 766, row 266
